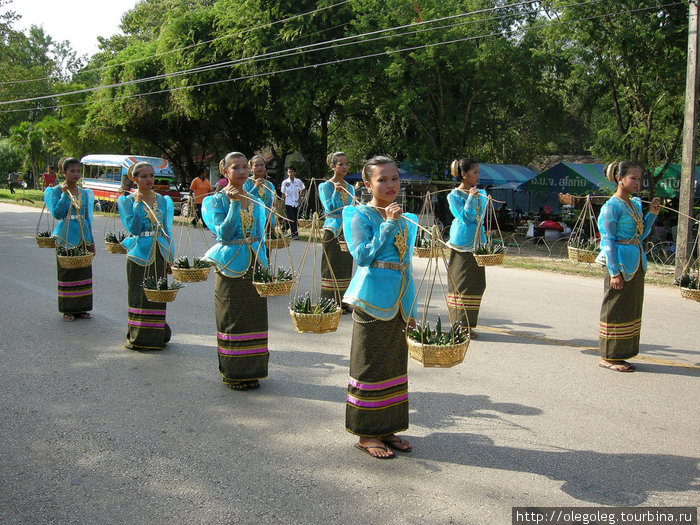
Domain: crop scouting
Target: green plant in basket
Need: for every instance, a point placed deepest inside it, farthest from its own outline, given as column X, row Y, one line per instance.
column 582, row 243
column 44, row 234
column 263, row 274
column 454, row 335
column 115, row 238
column 151, row 283
column 183, row 263
column 688, row 281
column 489, row 248
column 302, row 305
column 70, row 252
column 424, row 240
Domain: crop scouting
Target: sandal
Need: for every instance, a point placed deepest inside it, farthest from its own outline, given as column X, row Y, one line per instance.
column 397, row 443
column 68, row 318
column 83, row 315
column 371, row 447
column 622, row 366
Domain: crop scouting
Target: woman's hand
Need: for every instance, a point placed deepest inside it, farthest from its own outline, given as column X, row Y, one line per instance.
column 259, row 182
column 64, row 187
column 655, row 206
column 339, row 186
column 473, row 191
column 232, row 193
column 616, row 282
column 393, row 211
column 137, row 196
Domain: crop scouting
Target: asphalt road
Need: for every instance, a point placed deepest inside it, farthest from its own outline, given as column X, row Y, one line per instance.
column 92, row 433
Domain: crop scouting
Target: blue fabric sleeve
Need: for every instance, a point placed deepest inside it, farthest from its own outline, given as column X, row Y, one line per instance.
column 57, row 202
column 608, row 234
column 365, row 245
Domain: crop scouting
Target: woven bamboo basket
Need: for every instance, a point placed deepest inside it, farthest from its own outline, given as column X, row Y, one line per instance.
column 273, row 289
column 437, row 356
column 191, row 275
column 343, row 246
column 491, row 259
column 581, row 255
column 690, row 293
column 304, row 223
column 277, row 243
column 160, row 296
column 422, row 252
column 316, row 323
column 45, row 242
column 114, row 247
column 76, row 261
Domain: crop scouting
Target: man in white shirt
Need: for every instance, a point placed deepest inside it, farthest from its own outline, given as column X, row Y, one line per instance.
column 292, row 189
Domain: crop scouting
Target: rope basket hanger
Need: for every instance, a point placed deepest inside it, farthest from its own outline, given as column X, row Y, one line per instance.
column 183, row 270
column 155, row 287
column 77, row 256
column 43, row 237
column 309, row 312
column 113, row 237
column 493, row 252
column 583, row 246
column 436, row 348
column 273, row 280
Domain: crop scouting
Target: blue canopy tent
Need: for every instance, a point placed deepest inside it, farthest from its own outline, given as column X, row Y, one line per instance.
column 567, row 177
column 504, row 176
column 670, row 184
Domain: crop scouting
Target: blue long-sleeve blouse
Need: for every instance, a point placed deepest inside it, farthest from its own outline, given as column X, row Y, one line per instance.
column 70, row 220
column 237, row 244
column 333, row 203
column 380, row 292
column 145, row 230
column 469, row 212
column 621, row 236
column 266, row 194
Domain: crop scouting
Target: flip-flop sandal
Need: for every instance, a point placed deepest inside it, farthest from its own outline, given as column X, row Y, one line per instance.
column 392, row 442
column 68, row 318
column 83, row 315
column 614, row 367
column 367, row 451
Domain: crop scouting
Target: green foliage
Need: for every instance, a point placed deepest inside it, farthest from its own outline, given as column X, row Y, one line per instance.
column 582, row 243
column 70, row 252
column 264, row 275
column 44, row 234
column 489, row 248
column 454, row 334
column 150, row 283
column 687, row 281
column 302, row 305
column 115, row 238
column 184, row 263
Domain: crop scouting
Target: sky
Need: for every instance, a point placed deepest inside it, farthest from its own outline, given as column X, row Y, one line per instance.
column 78, row 21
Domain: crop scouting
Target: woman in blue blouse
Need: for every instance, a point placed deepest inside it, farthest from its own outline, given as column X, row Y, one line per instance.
column 467, row 280
column 336, row 265
column 72, row 207
column 148, row 217
column 262, row 189
column 622, row 228
column 382, row 293
column 238, row 220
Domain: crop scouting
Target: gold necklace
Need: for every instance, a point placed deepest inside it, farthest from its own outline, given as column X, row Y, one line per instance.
column 246, row 218
column 400, row 241
column 636, row 217
column 76, row 201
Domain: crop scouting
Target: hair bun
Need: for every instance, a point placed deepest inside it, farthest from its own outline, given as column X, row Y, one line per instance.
column 329, row 158
column 611, row 171
column 454, row 169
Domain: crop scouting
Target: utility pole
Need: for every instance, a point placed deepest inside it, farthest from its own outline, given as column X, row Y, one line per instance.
column 684, row 243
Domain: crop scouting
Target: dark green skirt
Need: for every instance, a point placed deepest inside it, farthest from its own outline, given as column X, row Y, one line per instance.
column 377, row 398
column 333, row 285
column 74, row 289
column 465, row 286
column 146, row 326
column 621, row 318
column 241, row 323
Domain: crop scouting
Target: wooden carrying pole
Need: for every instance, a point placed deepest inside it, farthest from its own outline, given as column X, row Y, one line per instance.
column 687, row 191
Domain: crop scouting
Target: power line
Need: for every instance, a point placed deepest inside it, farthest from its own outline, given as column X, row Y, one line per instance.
column 162, row 53
column 349, row 59
column 291, row 51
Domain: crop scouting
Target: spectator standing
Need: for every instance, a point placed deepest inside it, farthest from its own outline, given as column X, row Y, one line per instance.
column 49, row 177
column 292, row 189
column 200, row 188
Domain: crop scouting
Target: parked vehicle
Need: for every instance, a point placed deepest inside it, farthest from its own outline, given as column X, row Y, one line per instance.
column 103, row 175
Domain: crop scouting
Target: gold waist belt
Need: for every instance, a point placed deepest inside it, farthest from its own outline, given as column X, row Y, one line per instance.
column 628, row 241
column 245, row 240
column 386, row 265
